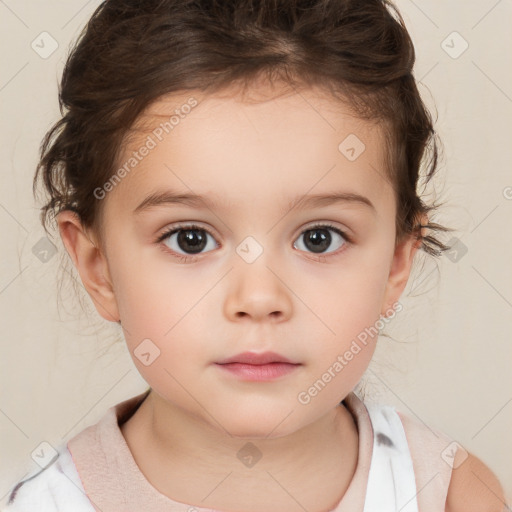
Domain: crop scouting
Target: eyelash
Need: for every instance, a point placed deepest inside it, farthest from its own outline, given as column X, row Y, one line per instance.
column 190, row 227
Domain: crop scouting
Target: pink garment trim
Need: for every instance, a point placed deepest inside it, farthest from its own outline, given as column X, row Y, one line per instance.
column 114, row 483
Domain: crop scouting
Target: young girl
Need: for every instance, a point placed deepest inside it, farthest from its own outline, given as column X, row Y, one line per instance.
column 235, row 183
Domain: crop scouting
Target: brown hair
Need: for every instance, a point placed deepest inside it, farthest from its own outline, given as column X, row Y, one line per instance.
column 133, row 52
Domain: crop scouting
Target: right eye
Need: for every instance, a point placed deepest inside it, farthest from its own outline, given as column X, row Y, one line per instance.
column 190, row 239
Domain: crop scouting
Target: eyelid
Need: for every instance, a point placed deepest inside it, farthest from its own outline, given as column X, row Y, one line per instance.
column 168, row 231
column 195, row 225
column 328, row 224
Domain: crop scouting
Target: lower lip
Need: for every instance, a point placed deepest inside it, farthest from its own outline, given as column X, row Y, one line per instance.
column 259, row 372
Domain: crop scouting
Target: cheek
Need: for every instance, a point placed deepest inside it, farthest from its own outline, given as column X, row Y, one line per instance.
column 163, row 302
column 346, row 297
column 148, row 290
column 339, row 358
column 348, row 310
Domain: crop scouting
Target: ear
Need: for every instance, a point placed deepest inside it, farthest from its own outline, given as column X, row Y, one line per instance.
column 401, row 266
column 91, row 264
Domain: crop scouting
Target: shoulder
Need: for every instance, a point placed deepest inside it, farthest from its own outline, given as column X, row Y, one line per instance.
column 469, row 485
column 473, row 486
column 54, row 488
column 457, row 478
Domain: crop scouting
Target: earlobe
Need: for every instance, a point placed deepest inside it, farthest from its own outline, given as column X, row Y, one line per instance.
column 91, row 264
column 400, row 269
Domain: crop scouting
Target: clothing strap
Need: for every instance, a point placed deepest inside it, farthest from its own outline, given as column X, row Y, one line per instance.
column 391, row 482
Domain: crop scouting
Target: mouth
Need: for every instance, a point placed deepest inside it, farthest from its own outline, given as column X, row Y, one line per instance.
column 257, row 359
column 258, row 367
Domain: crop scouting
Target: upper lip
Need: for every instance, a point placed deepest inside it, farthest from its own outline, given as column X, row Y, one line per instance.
column 257, row 359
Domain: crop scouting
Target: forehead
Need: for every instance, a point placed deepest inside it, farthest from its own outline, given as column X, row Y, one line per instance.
column 276, row 143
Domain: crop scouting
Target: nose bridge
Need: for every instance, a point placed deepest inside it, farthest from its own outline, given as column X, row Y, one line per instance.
column 257, row 290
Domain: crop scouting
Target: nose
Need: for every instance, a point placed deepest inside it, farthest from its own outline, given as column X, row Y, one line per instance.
column 257, row 292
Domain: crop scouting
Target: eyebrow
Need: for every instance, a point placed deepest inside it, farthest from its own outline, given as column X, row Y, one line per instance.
column 169, row 197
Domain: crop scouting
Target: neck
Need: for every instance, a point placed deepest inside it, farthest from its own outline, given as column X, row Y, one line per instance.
column 191, row 462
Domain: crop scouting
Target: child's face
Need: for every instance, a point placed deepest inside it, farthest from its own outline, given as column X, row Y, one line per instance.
column 257, row 284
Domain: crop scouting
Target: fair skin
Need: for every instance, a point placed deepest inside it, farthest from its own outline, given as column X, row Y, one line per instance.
column 252, row 160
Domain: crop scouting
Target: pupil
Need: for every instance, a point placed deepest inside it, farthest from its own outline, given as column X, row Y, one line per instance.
column 320, row 239
column 190, row 240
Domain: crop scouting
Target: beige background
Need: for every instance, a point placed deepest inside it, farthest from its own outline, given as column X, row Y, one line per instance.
column 453, row 369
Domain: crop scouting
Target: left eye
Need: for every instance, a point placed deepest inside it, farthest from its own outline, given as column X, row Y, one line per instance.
column 318, row 238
